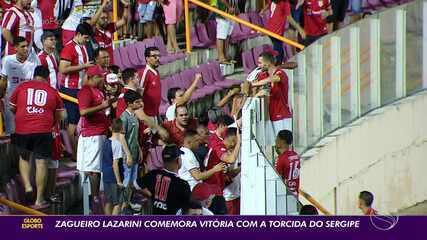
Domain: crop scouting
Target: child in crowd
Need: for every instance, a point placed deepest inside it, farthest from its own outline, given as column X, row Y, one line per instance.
column 112, row 171
column 133, row 102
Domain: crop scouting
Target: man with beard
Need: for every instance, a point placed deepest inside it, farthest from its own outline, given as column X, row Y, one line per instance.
column 105, row 29
column 177, row 127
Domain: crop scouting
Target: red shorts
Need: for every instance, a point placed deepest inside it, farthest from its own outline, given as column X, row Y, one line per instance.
column 233, row 207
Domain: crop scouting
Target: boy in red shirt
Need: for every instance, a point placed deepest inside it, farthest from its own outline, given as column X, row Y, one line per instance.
column 315, row 24
column 94, row 126
column 37, row 107
column 288, row 163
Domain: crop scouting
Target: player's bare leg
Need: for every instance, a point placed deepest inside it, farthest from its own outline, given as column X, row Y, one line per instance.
column 41, row 180
column 71, row 130
column 24, row 171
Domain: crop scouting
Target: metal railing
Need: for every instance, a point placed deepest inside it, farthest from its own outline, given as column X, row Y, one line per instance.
column 230, row 17
column 21, row 208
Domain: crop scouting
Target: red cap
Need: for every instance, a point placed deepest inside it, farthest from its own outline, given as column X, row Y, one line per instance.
column 203, row 191
column 95, row 71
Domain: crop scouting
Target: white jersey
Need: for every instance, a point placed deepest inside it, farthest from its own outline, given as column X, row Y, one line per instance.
column 77, row 13
column 17, row 72
column 170, row 112
column 189, row 162
column 232, row 191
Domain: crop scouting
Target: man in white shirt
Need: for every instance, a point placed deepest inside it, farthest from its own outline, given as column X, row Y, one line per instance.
column 177, row 97
column 190, row 167
column 17, row 68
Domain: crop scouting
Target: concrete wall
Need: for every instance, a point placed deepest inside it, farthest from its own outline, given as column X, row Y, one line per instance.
column 384, row 152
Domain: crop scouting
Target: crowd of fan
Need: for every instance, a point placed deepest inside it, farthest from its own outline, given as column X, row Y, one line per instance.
column 116, row 122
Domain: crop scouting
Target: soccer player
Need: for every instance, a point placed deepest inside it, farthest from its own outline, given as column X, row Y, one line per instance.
column 168, row 192
column 288, row 164
column 150, row 82
column 73, row 65
column 16, row 69
column 37, row 107
column 365, row 203
column 18, row 21
column 275, row 79
column 190, row 167
column 48, row 59
column 179, row 97
column 218, row 150
column 94, row 127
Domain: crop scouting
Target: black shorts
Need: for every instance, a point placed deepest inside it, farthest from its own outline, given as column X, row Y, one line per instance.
column 40, row 144
column 73, row 113
column 339, row 9
column 113, row 193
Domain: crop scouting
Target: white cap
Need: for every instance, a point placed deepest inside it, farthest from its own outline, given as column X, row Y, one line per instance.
column 112, row 78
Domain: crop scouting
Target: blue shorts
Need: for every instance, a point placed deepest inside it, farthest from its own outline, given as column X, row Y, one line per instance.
column 146, row 12
column 356, row 6
column 73, row 113
column 129, row 174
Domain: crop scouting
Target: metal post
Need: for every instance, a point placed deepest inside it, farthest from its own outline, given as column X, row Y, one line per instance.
column 336, row 82
column 187, row 26
column 355, row 106
column 317, row 81
column 375, row 54
column 301, row 116
column 400, row 53
column 424, row 22
column 115, row 7
column 291, row 95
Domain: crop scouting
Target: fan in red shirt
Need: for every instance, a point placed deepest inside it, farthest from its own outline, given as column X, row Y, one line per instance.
column 177, row 127
column 150, row 82
column 94, row 126
column 37, row 107
column 280, row 13
column 365, row 203
column 18, row 21
column 288, row 164
column 47, row 57
column 6, row 4
column 218, row 151
column 105, row 30
column 277, row 80
column 73, row 65
column 315, row 24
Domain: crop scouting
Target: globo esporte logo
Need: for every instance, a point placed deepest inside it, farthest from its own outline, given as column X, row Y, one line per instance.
column 384, row 223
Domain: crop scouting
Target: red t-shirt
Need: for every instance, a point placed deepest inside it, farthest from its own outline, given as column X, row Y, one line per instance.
column 371, row 212
column 288, row 167
column 314, row 23
column 212, row 127
column 278, row 106
column 104, row 38
column 21, row 24
column 216, row 150
column 49, row 61
column 150, row 82
column 97, row 123
column 47, row 8
column 176, row 135
column 77, row 55
column 278, row 15
column 36, row 103
column 121, row 104
column 57, row 143
column 6, row 4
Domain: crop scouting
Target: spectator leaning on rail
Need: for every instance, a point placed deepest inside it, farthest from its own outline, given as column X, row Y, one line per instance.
column 37, row 107
column 73, row 66
column 276, row 86
column 315, row 24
